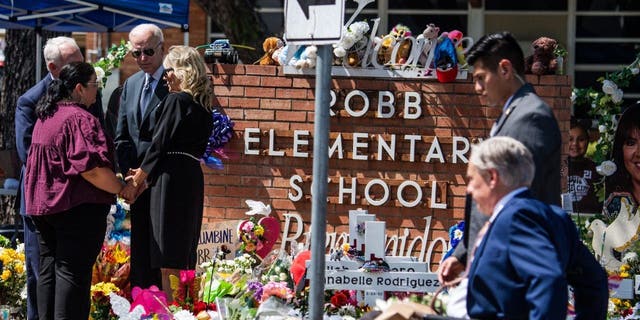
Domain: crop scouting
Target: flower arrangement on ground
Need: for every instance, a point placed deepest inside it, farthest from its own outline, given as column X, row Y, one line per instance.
column 112, row 264
column 13, row 279
column 100, row 301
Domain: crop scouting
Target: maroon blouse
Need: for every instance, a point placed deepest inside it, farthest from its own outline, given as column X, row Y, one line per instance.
column 63, row 146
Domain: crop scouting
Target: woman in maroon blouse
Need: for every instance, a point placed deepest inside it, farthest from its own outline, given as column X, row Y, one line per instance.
column 69, row 188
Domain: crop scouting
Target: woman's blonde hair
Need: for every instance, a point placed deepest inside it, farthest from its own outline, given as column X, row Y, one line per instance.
column 189, row 67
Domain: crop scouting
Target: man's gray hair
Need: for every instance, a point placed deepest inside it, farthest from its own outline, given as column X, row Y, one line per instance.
column 509, row 157
column 51, row 49
column 155, row 30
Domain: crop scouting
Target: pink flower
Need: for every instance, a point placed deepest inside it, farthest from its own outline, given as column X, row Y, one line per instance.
column 152, row 299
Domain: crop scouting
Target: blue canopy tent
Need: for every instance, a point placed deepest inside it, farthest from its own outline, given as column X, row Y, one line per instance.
column 94, row 15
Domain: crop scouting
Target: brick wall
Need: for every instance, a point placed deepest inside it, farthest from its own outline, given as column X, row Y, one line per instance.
column 263, row 97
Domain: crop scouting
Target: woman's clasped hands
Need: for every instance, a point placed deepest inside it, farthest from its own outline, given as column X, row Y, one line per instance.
column 136, row 184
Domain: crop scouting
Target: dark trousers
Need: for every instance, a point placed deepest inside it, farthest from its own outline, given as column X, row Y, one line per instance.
column 32, row 262
column 69, row 244
column 142, row 274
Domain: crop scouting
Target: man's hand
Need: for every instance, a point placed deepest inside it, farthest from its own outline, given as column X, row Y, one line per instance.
column 449, row 270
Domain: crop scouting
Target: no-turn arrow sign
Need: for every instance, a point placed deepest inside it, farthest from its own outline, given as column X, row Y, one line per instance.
column 313, row 21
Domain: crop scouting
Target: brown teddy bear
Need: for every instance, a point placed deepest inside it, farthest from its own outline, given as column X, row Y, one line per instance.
column 543, row 60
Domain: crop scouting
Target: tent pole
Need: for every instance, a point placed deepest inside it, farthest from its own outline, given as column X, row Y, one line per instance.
column 38, row 54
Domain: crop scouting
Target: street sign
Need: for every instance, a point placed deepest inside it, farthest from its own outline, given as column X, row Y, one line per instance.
column 313, row 21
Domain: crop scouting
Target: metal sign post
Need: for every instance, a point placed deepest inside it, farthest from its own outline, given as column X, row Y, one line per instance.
column 317, row 22
column 320, row 175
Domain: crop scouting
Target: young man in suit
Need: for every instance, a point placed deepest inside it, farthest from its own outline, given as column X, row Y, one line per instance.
column 520, row 257
column 139, row 101
column 57, row 53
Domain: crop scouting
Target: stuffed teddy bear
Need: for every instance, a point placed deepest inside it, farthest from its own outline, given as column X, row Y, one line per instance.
column 352, row 41
column 270, row 46
column 543, row 60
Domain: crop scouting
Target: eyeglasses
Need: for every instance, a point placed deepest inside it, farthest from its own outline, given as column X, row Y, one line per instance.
column 94, row 83
column 147, row 52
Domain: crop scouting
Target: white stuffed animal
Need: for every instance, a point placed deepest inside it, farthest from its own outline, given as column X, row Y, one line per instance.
column 308, row 58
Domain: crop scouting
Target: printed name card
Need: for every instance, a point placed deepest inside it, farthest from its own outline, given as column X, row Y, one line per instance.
column 381, row 281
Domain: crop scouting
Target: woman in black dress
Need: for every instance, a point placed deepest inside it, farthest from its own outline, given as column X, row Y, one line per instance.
column 171, row 166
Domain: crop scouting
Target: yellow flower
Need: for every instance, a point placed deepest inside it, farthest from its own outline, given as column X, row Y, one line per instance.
column 624, row 267
column 104, row 287
column 121, row 256
column 346, row 247
column 258, row 230
column 6, row 274
column 624, row 274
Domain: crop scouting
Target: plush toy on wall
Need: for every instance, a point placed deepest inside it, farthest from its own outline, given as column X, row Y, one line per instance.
column 397, row 35
column 543, row 60
column 430, row 36
column 456, row 37
column 270, row 46
column 305, row 57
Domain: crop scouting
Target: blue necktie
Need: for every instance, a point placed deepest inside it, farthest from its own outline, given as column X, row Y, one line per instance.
column 147, row 92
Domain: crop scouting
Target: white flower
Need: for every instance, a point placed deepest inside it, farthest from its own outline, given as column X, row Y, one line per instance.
column 606, row 168
column 573, row 96
column 184, row 315
column 602, row 128
column 99, row 74
column 609, row 87
column 630, row 256
column 635, row 71
column 339, row 52
column 616, row 96
column 593, row 106
column 283, row 276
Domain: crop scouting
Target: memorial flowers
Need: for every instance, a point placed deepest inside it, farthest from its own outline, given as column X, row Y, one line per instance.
column 100, row 301
column 115, row 56
column 13, row 277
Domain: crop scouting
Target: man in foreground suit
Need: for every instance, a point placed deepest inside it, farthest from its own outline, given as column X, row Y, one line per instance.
column 139, row 101
column 57, row 53
column 498, row 74
column 519, row 260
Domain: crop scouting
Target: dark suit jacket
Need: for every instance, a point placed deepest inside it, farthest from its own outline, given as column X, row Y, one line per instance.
column 529, row 120
column 518, row 271
column 26, row 118
column 135, row 130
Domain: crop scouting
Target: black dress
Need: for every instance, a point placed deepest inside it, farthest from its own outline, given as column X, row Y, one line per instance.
column 176, row 180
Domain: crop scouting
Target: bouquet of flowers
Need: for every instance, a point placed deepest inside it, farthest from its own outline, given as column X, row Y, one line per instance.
column 13, row 278
column 100, row 302
column 115, row 56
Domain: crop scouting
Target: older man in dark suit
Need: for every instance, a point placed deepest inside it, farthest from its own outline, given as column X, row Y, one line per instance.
column 139, row 102
column 520, row 257
column 58, row 52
